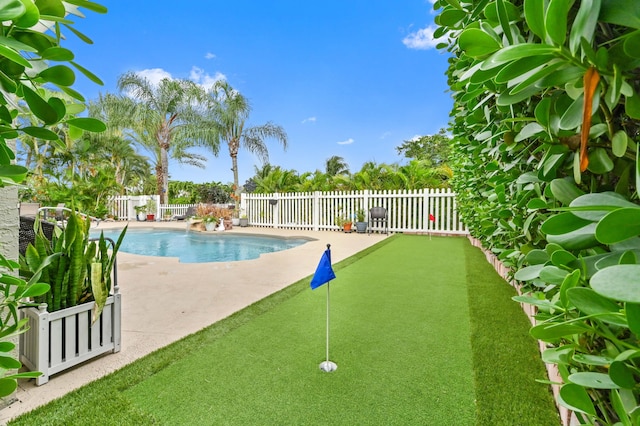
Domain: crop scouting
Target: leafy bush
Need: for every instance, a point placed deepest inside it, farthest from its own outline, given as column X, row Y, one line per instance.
column 546, row 126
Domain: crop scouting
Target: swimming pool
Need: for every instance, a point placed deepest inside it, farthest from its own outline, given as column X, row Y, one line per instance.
column 199, row 247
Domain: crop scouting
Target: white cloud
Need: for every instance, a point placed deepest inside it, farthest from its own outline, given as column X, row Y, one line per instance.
column 347, row 142
column 199, row 76
column 385, row 135
column 155, row 75
column 209, row 55
column 415, row 138
column 422, row 39
column 309, row 120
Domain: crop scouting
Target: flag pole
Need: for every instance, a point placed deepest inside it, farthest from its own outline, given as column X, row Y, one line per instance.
column 328, row 366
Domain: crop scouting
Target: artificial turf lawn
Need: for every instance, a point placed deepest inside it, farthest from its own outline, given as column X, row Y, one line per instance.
column 401, row 334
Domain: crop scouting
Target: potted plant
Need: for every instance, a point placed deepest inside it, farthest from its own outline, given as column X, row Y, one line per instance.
column 151, row 209
column 361, row 225
column 345, row 223
column 82, row 307
column 244, row 221
column 141, row 213
column 210, row 223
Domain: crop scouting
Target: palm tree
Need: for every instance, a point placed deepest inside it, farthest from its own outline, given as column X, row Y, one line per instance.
column 229, row 112
column 336, row 166
column 165, row 117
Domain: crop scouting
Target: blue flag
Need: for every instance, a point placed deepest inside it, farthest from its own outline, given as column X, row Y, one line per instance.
column 324, row 272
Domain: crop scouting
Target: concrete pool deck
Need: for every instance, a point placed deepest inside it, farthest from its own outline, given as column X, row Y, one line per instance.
column 164, row 300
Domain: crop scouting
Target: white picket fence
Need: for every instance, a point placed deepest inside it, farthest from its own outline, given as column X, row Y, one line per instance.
column 425, row 210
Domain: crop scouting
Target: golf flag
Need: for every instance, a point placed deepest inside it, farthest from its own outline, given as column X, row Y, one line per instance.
column 432, row 218
column 324, row 272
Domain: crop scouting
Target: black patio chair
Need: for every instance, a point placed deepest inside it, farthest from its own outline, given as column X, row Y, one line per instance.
column 191, row 211
column 378, row 215
column 27, row 233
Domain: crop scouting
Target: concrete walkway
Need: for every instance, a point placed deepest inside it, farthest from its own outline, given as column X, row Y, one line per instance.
column 164, row 300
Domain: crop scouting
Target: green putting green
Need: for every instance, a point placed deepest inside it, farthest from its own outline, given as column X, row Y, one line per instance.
column 402, row 335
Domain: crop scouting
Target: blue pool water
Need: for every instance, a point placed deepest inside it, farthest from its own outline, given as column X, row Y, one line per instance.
column 198, row 247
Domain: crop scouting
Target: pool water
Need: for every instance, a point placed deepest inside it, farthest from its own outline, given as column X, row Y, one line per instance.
column 199, row 247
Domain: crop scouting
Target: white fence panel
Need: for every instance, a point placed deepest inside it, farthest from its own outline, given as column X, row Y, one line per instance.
column 420, row 211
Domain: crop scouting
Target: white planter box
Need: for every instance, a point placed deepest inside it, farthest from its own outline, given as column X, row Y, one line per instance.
column 60, row 340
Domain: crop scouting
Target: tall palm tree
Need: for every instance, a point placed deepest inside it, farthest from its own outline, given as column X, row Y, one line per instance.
column 166, row 117
column 229, row 112
column 336, row 165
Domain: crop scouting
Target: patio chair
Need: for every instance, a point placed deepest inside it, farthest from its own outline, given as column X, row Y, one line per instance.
column 378, row 215
column 29, row 209
column 27, row 233
column 191, row 211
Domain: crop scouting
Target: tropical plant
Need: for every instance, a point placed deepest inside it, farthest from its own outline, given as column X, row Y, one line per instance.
column 336, row 165
column 228, row 114
column 432, row 148
column 80, row 270
column 545, row 151
column 166, row 118
column 15, row 293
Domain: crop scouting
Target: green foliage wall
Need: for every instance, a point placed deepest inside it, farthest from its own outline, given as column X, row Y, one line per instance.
column 546, row 125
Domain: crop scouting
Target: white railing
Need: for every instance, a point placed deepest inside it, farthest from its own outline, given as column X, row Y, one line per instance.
column 424, row 210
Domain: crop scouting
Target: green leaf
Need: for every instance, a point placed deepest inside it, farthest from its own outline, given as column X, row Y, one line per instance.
column 576, row 399
column 620, row 282
column 30, row 17
column 536, row 257
column 579, row 239
column 7, row 387
column 15, row 174
column 560, row 355
column 632, row 106
column 78, row 34
column 565, row 191
column 40, row 133
column 619, row 225
column 91, row 76
column 591, row 303
column 621, row 375
column 552, row 274
column 14, row 56
column 572, row 117
column 56, row 53
column 58, row 105
column 632, row 311
column 563, row 223
column 555, row 20
column 36, row 290
column 89, row 124
column 89, row 5
column 39, row 106
column 549, row 332
column 58, row 74
column 619, row 143
column 520, row 67
column 15, row 44
column 9, row 363
column 631, row 45
column 599, row 161
column 534, row 15
column 528, row 273
column 584, row 24
column 593, row 380
column 570, row 281
column 518, row 51
column 621, row 12
column 503, row 17
column 543, row 111
column 476, row 43
column 11, row 9
column 53, row 8
column 595, row 206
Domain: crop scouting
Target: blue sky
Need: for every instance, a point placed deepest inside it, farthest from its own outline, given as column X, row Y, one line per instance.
column 347, row 78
